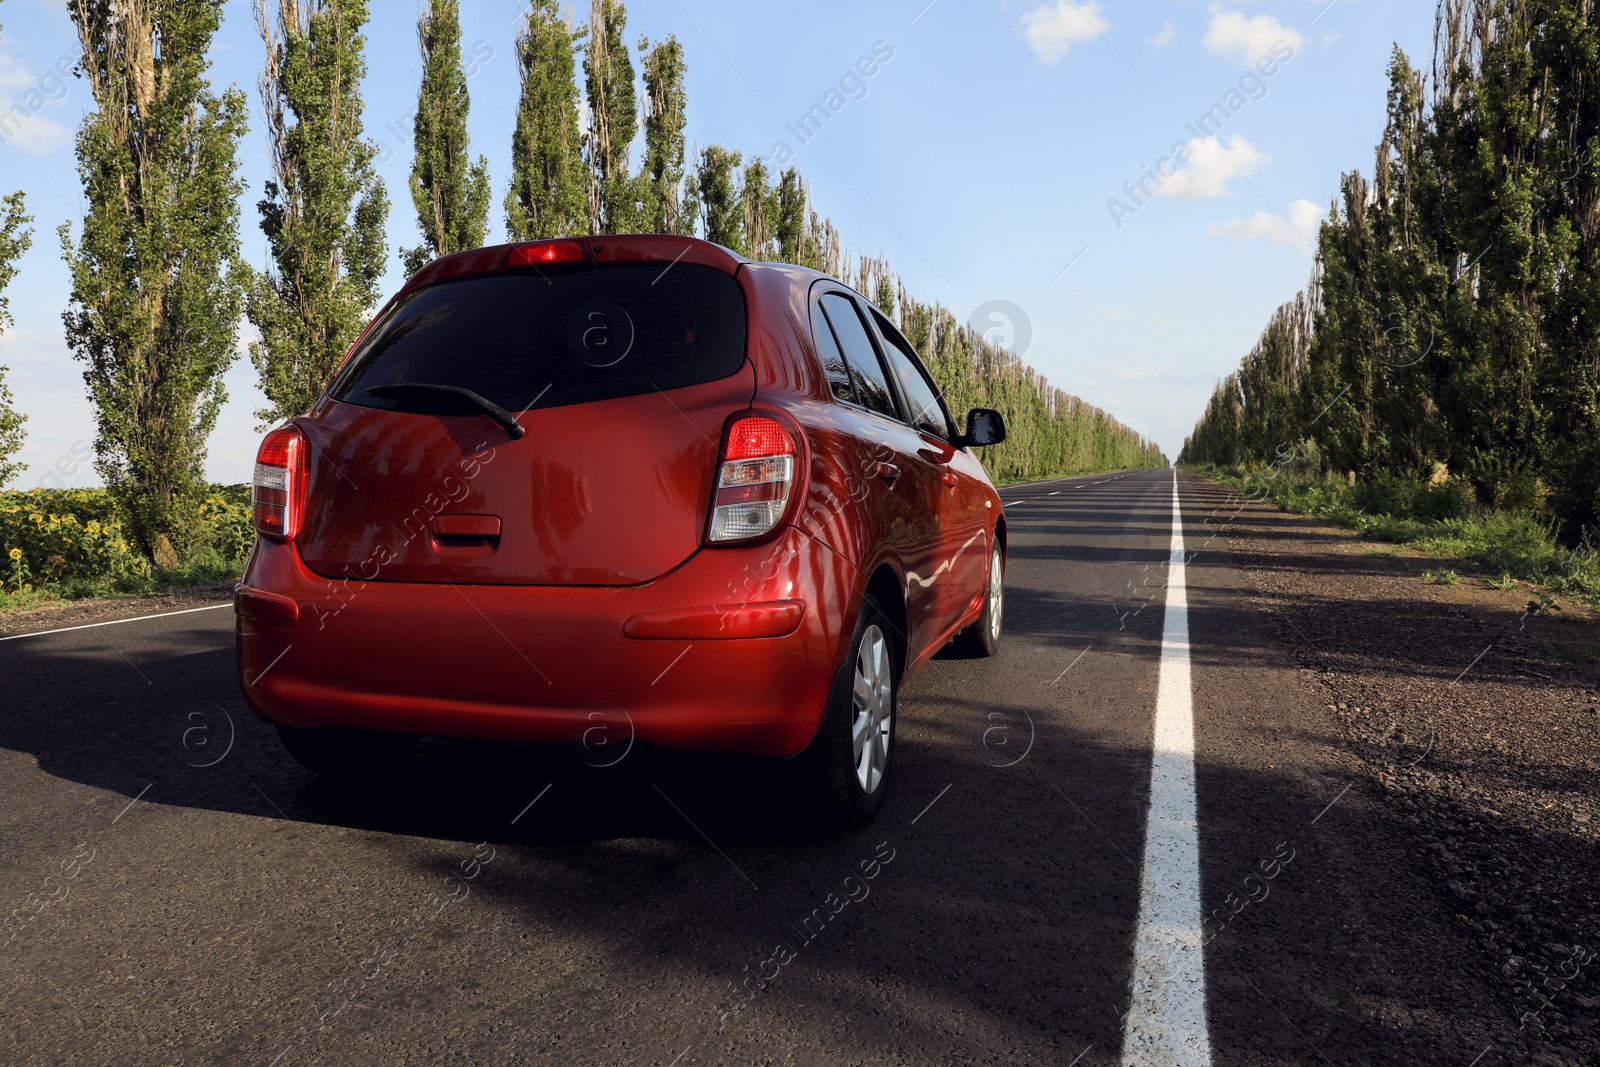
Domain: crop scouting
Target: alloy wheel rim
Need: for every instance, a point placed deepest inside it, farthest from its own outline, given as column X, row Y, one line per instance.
column 996, row 596
column 872, row 699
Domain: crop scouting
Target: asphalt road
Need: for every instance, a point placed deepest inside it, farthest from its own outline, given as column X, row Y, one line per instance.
column 185, row 893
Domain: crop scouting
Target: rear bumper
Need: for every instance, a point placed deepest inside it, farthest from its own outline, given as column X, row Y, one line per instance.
column 552, row 664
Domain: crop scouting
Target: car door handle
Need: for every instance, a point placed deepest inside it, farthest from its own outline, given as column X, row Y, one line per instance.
column 887, row 471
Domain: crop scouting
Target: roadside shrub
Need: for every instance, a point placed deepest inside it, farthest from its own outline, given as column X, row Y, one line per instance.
column 1450, row 500
column 1384, row 497
column 72, row 543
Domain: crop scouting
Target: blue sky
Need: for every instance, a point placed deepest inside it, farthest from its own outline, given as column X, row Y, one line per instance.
column 995, row 157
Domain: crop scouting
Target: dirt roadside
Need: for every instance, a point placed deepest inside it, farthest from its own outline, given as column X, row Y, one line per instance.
column 1476, row 725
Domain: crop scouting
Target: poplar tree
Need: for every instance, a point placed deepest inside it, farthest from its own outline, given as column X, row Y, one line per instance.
column 666, row 114
column 721, row 204
column 325, row 206
column 450, row 191
column 613, row 119
column 547, row 196
column 790, row 217
column 16, row 236
column 156, row 275
column 759, row 202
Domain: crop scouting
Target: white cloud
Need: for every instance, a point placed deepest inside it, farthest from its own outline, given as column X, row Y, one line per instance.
column 1299, row 229
column 1052, row 30
column 1234, row 35
column 23, row 95
column 1211, row 166
column 1167, row 34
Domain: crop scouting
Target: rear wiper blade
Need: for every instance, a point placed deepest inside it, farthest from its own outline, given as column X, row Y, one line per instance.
column 452, row 393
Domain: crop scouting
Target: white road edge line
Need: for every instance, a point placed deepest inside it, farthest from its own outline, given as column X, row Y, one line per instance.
column 117, row 622
column 1166, row 1023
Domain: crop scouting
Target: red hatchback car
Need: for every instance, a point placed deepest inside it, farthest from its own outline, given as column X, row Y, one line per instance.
column 622, row 488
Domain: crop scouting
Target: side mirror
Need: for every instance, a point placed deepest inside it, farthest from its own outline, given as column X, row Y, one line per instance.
column 984, row 427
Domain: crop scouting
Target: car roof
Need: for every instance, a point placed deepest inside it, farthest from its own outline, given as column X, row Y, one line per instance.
column 619, row 248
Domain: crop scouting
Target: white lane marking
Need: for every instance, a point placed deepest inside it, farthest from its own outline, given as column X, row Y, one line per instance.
column 1167, row 1023
column 1056, row 493
column 116, row 622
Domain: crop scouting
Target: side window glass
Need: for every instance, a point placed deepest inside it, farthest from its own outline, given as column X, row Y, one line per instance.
column 832, row 359
column 927, row 412
column 872, row 385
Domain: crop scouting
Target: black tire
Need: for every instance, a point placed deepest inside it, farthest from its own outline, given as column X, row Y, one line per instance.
column 850, row 795
column 982, row 638
column 336, row 750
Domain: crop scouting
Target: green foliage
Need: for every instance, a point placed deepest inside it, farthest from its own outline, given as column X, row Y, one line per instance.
column 156, row 275
column 547, row 196
column 55, row 537
column 1451, row 326
column 71, row 543
column 325, row 206
column 450, row 191
column 16, row 236
column 613, row 120
column 721, row 199
column 664, row 208
column 760, row 206
column 790, row 216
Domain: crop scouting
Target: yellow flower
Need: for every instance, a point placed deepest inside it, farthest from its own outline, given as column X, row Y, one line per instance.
column 16, row 553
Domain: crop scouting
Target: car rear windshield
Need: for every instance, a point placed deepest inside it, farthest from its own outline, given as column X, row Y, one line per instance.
column 546, row 338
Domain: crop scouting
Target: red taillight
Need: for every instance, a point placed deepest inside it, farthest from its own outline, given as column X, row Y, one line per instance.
column 278, row 485
column 755, row 479
column 757, row 435
column 545, row 252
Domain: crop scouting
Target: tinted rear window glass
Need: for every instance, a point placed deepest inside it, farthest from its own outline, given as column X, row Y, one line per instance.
column 555, row 338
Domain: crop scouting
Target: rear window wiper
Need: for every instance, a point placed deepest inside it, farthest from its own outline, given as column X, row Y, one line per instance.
column 452, row 394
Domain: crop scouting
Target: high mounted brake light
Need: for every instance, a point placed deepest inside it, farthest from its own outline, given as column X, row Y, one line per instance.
column 539, row 252
column 278, row 488
column 754, row 480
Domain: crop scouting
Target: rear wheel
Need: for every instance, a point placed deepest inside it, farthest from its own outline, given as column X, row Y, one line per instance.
column 856, row 751
column 982, row 638
column 341, row 751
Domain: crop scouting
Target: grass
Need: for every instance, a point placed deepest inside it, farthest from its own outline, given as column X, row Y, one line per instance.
column 202, row 574
column 1441, row 521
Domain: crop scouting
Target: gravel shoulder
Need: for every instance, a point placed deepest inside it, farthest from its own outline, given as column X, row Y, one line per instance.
column 1471, row 728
